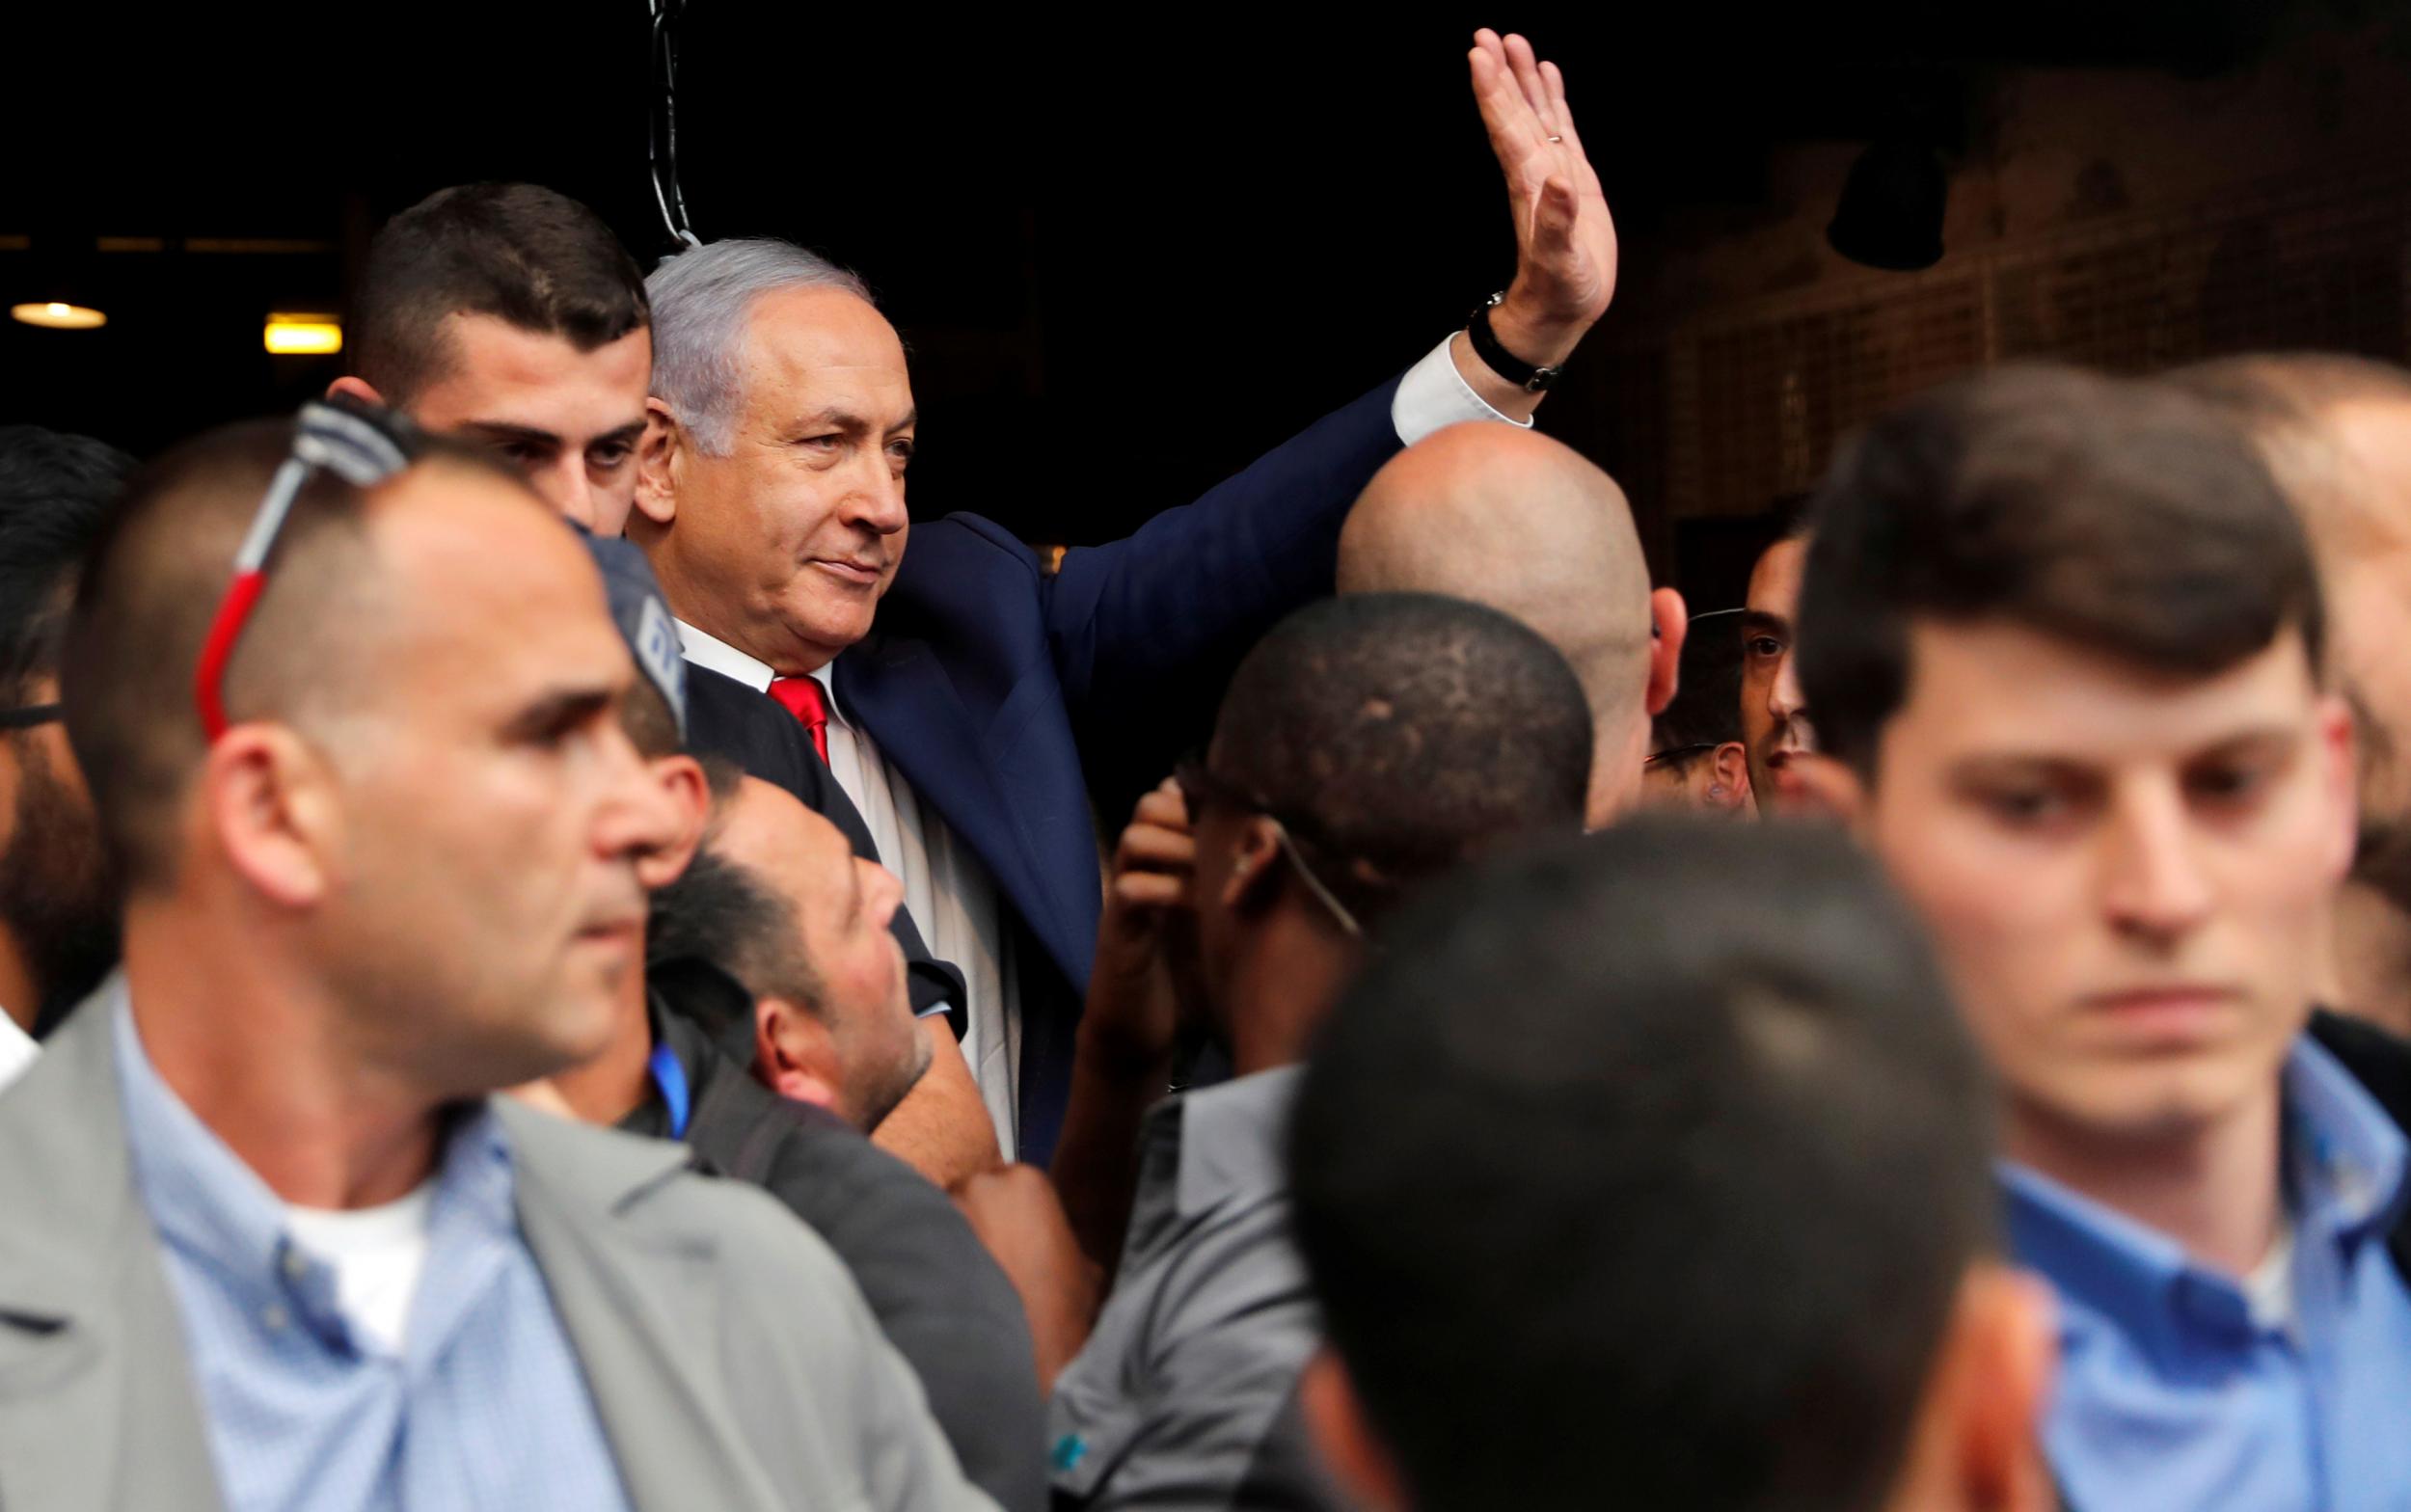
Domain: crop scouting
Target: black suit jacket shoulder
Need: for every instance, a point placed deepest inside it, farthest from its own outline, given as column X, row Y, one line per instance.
column 938, row 1296
column 727, row 719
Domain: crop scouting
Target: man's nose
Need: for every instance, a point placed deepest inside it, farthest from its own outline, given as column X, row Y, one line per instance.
column 877, row 500
column 639, row 816
column 1784, row 699
column 2153, row 879
column 566, row 486
column 883, row 891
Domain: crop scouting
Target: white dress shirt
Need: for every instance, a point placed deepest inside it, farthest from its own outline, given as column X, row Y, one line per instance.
column 17, row 1049
column 948, row 889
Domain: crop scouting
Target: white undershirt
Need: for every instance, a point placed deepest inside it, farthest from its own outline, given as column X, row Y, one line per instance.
column 377, row 1255
column 948, row 890
column 17, row 1049
column 2269, row 1289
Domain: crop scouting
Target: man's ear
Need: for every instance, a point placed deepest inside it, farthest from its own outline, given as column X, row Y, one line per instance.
column 659, row 460
column 1334, row 1418
column 682, row 777
column 270, row 804
column 1251, row 885
column 1833, row 787
column 1975, row 1445
column 1730, row 762
column 350, row 387
column 1671, row 623
column 795, row 1054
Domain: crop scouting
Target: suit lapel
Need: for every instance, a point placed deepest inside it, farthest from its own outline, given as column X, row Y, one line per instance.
column 641, row 1312
column 900, row 692
column 97, row 1403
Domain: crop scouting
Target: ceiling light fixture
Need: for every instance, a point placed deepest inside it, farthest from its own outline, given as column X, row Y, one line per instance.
column 292, row 335
column 59, row 315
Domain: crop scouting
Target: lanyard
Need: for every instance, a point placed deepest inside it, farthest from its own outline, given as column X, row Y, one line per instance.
column 670, row 1078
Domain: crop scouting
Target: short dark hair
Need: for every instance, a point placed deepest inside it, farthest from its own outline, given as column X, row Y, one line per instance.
column 1397, row 734
column 1707, row 706
column 1644, row 1169
column 723, row 913
column 2119, row 515
column 143, row 607
column 56, row 492
column 521, row 253
column 647, row 719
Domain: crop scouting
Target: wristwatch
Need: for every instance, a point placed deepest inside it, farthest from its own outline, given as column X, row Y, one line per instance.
column 1498, row 358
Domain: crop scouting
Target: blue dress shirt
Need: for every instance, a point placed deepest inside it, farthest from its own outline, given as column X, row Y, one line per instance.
column 485, row 1410
column 2174, row 1394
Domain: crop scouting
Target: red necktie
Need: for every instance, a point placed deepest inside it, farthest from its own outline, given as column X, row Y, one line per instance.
column 800, row 696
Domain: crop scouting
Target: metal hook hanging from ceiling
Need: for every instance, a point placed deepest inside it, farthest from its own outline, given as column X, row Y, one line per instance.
column 662, row 137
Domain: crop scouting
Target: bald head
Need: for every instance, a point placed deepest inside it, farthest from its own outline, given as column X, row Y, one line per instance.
column 2336, row 433
column 1510, row 519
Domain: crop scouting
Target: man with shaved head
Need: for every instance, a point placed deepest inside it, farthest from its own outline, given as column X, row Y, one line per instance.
column 349, row 714
column 2335, row 433
column 1429, row 522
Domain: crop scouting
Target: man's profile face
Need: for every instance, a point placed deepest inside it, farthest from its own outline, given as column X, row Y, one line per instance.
column 566, row 420
column 56, row 901
column 793, row 535
column 494, row 812
column 2126, row 872
column 844, row 906
column 1775, row 721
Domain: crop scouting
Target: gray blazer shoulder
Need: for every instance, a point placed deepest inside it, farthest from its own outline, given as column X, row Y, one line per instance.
column 732, row 1362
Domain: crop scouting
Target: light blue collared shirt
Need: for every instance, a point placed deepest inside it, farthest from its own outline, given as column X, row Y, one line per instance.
column 2174, row 1394
column 485, row 1410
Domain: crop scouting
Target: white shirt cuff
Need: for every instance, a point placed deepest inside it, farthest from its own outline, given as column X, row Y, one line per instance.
column 1434, row 395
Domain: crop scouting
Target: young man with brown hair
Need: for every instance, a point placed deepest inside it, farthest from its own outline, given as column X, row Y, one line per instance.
column 2065, row 642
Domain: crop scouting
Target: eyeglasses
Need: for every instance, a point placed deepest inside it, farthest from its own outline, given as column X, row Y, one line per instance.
column 362, row 447
column 29, row 715
column 1199, row 786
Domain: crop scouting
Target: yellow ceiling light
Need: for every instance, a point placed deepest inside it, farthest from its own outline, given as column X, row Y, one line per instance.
column 58, row 315
column 292, row 334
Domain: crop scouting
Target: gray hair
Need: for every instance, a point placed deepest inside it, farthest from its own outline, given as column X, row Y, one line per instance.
column 701, row 300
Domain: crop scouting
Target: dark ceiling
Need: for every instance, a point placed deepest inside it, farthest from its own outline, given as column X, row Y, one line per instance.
column 1129, row 252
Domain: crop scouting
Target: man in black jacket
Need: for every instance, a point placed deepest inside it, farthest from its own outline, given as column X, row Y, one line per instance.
column 938, row 1296
column 510, row 317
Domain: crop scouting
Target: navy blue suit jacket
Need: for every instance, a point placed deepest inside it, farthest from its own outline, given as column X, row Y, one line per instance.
column 986, row 682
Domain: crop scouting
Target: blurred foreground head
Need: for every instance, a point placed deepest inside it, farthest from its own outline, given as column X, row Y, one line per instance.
column 422, row 820
column 57, row 910
column 1654, row 1171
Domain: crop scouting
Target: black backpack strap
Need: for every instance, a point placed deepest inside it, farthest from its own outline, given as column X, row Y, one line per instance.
column 2381, row 1063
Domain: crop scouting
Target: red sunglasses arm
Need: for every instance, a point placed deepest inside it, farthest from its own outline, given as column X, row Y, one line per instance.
column 209, row 677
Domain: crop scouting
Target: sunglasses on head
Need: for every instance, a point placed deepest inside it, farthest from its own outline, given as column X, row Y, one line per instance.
column 362, row 445
column 1200, row 785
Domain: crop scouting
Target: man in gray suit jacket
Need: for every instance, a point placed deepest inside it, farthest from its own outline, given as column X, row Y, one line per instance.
column 269, row 1243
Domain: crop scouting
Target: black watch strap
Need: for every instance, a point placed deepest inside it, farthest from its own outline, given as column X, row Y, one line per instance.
column 1498, row 358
